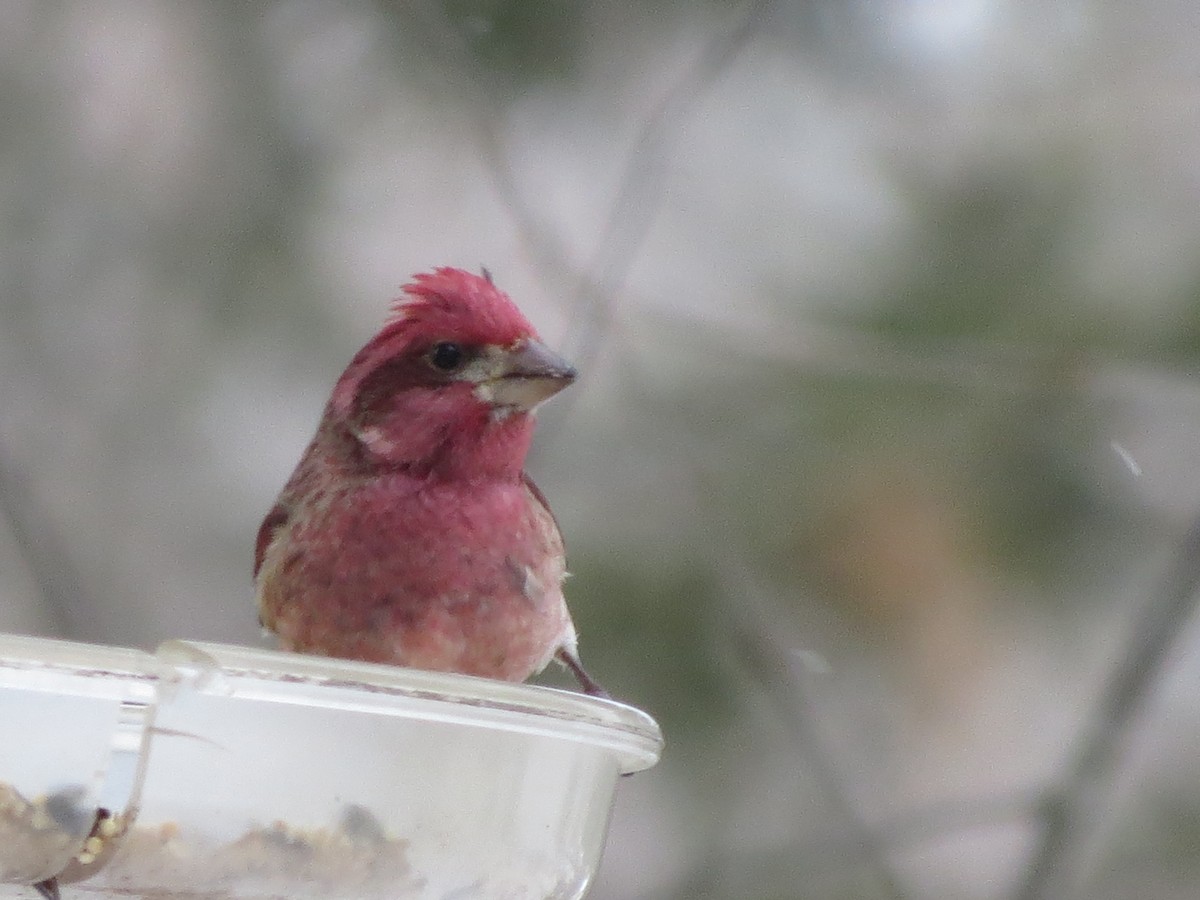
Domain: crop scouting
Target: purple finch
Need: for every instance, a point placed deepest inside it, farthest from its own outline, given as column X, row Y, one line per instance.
column 409, row 532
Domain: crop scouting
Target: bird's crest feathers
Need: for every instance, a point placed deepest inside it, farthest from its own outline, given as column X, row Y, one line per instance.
column 446, row 304
column 459, row 305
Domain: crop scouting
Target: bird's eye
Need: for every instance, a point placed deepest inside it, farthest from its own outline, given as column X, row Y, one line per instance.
column 447, row 356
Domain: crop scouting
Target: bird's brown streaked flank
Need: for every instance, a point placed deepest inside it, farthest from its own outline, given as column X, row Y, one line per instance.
column 409, row 532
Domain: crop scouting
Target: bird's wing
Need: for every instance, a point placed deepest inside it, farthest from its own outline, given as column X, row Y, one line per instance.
column 266, row 533
column 541, row 498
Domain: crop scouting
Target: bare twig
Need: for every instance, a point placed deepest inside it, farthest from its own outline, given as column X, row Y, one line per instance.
column 782, row 674
column 1068, row 814
column 641, row 187
column 926, row 823
column 835, row 851
column 49, row 563
column 640, row 193
column 822, row 762
column 547, row 251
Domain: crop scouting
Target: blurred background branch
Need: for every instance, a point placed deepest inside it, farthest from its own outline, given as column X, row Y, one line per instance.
column 1071, row 813
column 640, row 191
column 786, row 678
column 476, row 92
column 61, row 591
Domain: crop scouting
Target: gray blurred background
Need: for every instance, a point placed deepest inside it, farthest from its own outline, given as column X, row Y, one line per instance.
column 889, row 318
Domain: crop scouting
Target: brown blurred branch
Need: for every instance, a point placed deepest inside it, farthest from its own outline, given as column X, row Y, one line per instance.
column 1069, row 813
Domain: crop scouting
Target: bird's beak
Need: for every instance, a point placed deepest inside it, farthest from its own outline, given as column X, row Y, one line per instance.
column 527, row 374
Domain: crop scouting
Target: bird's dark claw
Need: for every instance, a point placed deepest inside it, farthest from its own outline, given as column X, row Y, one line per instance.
column 590, row 686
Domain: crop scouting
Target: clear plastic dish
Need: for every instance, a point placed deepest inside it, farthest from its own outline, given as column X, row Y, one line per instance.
column 75, row 723
column 275, row 775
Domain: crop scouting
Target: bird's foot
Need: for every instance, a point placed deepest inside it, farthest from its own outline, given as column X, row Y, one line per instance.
column 589, row 685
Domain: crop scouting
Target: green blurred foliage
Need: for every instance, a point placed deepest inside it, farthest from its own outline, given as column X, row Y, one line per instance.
column 987, row 262
column 527, row 41
column 652, row 630
column 1012, row 422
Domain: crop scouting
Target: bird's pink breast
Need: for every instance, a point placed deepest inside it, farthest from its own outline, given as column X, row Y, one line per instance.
column 454, row 576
